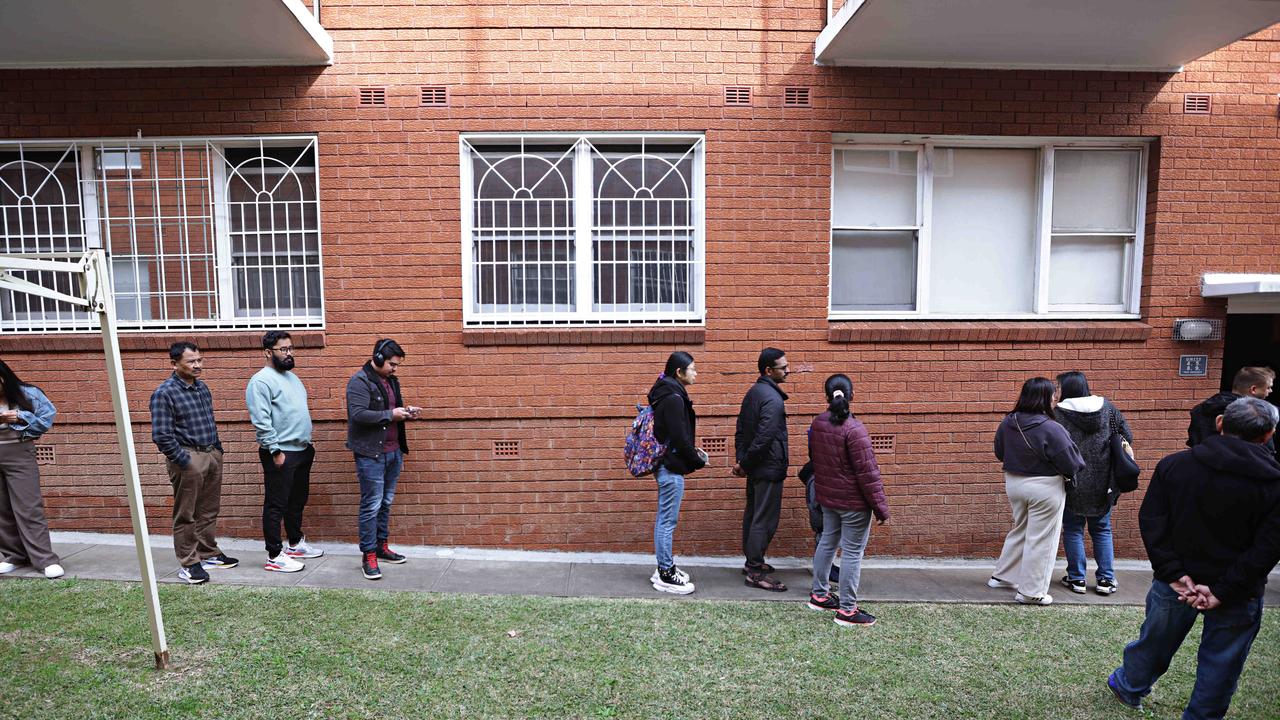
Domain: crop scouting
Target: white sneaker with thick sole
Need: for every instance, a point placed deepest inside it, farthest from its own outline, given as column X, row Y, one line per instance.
column 677, row 585
column 684, row 576
column 996, row 582
column 54, row 571
column 302, row 550
column 1028, row 600
column 282, row 563
column 7, row 567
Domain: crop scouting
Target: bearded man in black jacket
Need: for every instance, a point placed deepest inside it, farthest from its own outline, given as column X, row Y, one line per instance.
column 1211, row 525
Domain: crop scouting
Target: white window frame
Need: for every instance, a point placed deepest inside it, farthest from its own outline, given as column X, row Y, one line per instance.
column 925, row 145
column 581, row 312
column 123, row 156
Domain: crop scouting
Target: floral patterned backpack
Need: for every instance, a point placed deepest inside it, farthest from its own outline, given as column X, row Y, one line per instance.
column 642, row 450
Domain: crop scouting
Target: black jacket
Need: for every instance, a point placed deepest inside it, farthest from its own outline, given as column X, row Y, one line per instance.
column 675, row 424
column 760, row 441
column 1213, row 513
column 1093, row 492
column 369, row 412
column 1205, row 415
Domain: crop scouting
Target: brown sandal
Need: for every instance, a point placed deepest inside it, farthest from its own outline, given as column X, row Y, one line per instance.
column 764, row 582
column 765, row 568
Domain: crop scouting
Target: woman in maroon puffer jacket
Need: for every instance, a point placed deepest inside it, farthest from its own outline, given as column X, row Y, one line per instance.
column 846, row 483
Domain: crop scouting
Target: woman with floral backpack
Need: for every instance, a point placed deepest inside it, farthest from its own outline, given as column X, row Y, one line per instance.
column 674, row 425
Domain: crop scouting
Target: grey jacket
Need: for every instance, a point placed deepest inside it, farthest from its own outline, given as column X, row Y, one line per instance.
column 369, row 413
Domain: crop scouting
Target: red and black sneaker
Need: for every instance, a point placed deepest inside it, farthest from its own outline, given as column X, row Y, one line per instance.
column 386, row 554
column 370, row 566
column 830, row 601
column 857, row 618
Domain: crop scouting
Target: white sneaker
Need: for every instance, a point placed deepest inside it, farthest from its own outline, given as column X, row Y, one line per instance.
column 684, row 576
column 302, row 550
column 282, row 563
column 1028, row 600
column 996, row 582
column 7, row 567
column 54, row 571
column 673, row 583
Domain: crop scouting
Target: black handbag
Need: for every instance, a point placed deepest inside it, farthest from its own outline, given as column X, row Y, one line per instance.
column 1124, row 470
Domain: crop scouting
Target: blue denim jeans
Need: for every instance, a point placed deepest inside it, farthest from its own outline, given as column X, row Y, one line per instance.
column 1073, row 542
column 378, row 477
column 670, row 492
column 850, row 530
column 1225, row 640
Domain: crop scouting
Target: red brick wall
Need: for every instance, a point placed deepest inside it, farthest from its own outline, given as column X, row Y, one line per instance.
column 390, row 196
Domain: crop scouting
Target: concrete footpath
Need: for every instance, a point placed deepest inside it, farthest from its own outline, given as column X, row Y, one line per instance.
column 617, row 575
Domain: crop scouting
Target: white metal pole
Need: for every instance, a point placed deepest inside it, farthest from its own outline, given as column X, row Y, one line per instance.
column 98, row 282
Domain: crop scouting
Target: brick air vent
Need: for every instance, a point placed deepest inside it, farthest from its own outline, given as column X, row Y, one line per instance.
column 796, row 97
column 434, row 95
column 46, row 455
column 715, row 445
column 882, row 443
column 373, row 97
column 506, row 448
column 737, row 95
column 1197, row 104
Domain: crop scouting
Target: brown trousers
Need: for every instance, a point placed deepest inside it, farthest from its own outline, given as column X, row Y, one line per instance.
column 24, row 532
column 197, row 498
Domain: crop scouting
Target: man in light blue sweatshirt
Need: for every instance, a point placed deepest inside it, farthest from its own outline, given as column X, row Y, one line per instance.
column 278, row 410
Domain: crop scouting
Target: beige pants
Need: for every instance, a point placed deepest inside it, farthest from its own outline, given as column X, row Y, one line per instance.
column 1031, row 548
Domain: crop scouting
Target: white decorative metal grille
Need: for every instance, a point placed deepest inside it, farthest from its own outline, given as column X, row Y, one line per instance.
column 582, row 230
column 202, row 233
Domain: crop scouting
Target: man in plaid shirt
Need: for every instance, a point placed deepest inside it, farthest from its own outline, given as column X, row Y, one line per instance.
column 182, row 426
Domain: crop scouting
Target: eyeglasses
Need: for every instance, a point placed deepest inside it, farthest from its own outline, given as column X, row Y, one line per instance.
column 283, row 350
column 783, row 368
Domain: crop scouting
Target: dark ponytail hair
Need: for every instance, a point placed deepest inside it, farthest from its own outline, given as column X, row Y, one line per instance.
column 678, row 360
column 839, row 390
column 13, row 394
column 1036, row 397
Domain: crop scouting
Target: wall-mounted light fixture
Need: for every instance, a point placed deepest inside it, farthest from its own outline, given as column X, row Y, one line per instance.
column 1197, row 329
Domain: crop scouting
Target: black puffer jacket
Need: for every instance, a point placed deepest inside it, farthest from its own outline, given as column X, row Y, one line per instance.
column 676, row 425
column 1091, row 421
column 760, row 440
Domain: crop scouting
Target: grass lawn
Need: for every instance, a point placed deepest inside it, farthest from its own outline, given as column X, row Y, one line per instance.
column 80, row 649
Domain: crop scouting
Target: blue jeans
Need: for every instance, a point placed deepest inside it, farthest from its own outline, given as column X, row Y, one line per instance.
column 378, row 477
column 850, row 529
column 1073, row 543
column 670, row 492
column 1224, row 645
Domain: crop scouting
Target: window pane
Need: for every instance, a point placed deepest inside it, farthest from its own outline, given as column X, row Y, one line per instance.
column 984, row 230
column 1088, row 270
column 874, row 188
column 1095, row 190
column 873, row 270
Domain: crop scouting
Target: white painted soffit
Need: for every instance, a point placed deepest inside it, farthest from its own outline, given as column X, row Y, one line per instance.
column 1245, row 292
column 160, row 33
column 1124, row 35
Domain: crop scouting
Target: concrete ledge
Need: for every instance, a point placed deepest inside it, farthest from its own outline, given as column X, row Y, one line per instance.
column 585, row 336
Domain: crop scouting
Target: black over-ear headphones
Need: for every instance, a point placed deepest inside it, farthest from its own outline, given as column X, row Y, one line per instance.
column 378, row 358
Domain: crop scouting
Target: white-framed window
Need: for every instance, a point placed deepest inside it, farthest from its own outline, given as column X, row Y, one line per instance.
column 202, row 233
column 986, row 228
column 599, row 229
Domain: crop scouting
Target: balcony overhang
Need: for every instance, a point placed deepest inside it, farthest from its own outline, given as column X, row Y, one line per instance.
column 1245, row 292
column 1121, row 35
column 160, row 33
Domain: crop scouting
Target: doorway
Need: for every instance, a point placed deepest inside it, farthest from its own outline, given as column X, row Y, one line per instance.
column 1251, row 340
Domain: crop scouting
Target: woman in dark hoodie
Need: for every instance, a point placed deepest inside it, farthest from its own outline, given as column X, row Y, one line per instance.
column 675, row 425
column 1091, row 420
column 1038, row 456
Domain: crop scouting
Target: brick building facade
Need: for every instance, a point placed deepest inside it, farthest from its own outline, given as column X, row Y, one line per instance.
column 521, row 447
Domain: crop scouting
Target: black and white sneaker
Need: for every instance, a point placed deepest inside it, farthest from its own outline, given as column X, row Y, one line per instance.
column 830, row 601
column 1106, row 587
column 193, row 574
column 857, row 618
column 369, row 566
column 386, row 554
column 672, row 580
column 219, row 562
column 1075, row 586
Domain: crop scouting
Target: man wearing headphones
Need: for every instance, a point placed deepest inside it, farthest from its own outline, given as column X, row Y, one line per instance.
column 375, row 434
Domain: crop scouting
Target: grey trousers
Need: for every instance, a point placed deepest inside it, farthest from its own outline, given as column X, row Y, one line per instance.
column 24, row 532
column 197, row 498
column 1031, row 548
column 849, row 529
